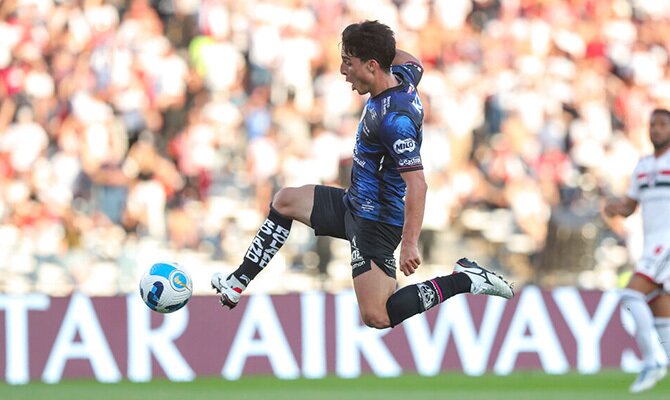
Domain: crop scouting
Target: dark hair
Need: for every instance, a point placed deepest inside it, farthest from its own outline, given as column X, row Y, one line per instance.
column 662, row 111
column 370, row 40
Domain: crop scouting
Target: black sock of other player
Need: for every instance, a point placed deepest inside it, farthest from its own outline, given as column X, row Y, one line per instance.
column 268, row 240
column 415, row 299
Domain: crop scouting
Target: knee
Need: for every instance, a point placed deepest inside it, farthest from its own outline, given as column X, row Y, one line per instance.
column 378, row 320
column 283, row 201
column 633, row 301
column 630, row 295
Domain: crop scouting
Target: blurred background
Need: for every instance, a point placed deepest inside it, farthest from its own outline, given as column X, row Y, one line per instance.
column 136, row 131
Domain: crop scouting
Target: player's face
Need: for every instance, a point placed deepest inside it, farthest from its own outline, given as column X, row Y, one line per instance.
column 659, row 130
column 356, row 72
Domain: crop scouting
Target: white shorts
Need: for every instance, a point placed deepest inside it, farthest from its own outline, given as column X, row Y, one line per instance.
column 655, row 266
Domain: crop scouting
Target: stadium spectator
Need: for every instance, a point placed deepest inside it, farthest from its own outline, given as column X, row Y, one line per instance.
column 568, row 83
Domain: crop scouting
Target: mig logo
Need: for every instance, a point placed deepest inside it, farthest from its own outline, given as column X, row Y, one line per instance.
column 403, row 146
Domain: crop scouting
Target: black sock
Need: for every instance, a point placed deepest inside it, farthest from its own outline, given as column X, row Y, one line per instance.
column 268, row 240
column 415, row 299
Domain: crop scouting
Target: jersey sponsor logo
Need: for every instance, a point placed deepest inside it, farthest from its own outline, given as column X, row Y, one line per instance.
column 404, row 145
column 409, row 162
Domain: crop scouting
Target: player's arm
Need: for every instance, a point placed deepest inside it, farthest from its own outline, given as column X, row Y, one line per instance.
column 415, row 203
column 622, row 206
column 403, row 57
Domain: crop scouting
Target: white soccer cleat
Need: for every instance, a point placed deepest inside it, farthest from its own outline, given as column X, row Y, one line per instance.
column 483, row 280
column 230, row 295
column 648, row 378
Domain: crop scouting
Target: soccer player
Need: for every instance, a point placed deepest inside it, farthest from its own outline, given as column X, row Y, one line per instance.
column 384, row 205
column 650, row 187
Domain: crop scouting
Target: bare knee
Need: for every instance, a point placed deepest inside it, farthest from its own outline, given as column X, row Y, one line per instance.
column 283, row 201
column 295, row 203
column 376, row 319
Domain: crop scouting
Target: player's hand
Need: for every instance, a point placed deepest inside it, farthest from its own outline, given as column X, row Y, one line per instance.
column 610, row 208
column 410, row 259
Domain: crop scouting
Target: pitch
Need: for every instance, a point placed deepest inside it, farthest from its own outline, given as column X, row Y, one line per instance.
column 610, row 385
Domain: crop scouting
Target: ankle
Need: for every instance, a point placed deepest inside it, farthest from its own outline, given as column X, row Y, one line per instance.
column 238, row 283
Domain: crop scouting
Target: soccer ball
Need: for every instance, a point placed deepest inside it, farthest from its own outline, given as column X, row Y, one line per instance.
column 166, row 287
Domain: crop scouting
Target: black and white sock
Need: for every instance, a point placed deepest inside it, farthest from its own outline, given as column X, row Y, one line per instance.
column 415, row 299
column 270, row 237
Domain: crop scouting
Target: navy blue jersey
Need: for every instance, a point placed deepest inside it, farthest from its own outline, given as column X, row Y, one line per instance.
column 388, row 142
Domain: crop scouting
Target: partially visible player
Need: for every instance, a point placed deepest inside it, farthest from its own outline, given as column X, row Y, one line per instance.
column 650, row 187
column 384, row 206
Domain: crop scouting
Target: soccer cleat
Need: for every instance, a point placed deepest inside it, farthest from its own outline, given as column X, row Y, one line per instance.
column 230, row 295
column 648, row 378
column 483, row 280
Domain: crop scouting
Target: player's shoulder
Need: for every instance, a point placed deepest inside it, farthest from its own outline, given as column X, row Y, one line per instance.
column 665, row 157
column 646, row 159
column 403, row 99
column 651, row 160
column 643, row 162
column 410, row 70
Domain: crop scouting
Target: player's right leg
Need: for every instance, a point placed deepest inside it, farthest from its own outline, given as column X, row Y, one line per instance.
column 468, row 277
column 633, row 299
column 287, row 205
column 373, row 289
column 660, row 308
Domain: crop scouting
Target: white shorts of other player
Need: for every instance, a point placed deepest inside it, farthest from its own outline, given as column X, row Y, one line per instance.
column 655, row 264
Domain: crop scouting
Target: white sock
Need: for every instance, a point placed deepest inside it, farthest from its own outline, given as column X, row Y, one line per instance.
column 663, row 329
column 645, row 334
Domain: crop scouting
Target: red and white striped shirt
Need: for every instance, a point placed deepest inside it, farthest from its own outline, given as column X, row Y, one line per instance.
column 650, row 186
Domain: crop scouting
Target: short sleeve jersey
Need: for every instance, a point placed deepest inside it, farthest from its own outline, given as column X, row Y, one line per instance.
column 650, row 186
column 388, row 142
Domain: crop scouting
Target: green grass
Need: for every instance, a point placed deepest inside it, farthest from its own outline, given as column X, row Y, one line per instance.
column 610, row 385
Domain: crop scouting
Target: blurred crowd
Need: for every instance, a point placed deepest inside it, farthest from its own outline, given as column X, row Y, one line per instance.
column 137, row 130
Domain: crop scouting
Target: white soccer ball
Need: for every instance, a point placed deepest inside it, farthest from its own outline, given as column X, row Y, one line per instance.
column 166, row 287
